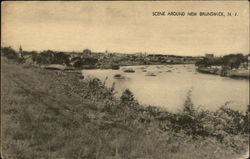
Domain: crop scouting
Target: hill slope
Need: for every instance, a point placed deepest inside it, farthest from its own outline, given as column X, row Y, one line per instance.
column 52, row 115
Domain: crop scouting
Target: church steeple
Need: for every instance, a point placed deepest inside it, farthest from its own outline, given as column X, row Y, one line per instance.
column 20, row 53
column 20, row 49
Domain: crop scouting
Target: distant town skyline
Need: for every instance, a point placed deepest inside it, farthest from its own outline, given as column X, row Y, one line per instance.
column 126, row 27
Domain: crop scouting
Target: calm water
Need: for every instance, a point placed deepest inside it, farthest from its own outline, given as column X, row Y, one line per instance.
column 169, row 89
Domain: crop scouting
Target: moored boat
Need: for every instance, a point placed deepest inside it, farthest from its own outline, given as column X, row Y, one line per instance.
column 119, row 76
column 55, row 67
column 129, row 70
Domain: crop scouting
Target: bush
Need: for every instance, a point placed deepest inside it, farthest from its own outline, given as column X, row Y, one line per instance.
column 190, row 119
column 233, row 121
column 127, row 97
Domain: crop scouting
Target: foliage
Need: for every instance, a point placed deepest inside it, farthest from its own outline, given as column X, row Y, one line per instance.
column 90, row 61
column 234, row 60
column 86, row 51
column 87, row 61
column 78, row 64
column 209, row 62
column 231, row 60
column 9, row 52
column 51, row 57
column 45, row 57
column 127, row 97
column 61, row 58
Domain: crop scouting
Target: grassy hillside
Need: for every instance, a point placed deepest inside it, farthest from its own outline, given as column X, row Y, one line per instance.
column 55, row 115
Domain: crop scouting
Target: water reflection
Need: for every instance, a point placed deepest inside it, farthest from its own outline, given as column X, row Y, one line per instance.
column 169, row 87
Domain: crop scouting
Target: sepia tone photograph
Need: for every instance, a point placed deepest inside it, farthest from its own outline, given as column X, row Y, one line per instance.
column 125, row 79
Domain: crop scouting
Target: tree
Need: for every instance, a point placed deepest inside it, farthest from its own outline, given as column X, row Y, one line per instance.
column 127, row 98
column 61, row 58
column 231, row 60
column 45, row 57
column 9, row 52
column 188, row 105
column 78, row 63
column 234, row 60
column 90, row 61
column 87, row 52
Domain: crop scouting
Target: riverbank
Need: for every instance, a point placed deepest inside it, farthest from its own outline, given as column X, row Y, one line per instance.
column 236, row 73
column 102, row 67
column 55, row 114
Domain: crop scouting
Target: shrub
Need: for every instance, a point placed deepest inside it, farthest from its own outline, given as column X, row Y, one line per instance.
column 127, row 97
column 232, row 120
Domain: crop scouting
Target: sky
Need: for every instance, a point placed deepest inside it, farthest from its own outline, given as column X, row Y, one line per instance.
column 126, row 27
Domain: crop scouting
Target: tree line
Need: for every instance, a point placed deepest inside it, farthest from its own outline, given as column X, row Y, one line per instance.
column 232, row 61
column 51, row 57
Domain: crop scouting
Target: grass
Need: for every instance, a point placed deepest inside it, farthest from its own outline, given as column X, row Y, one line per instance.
column 53, row 115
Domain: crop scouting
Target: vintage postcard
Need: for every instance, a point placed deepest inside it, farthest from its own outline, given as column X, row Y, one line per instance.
column 125, row 79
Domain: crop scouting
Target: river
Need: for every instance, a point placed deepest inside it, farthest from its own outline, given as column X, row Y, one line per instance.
column 170, row 86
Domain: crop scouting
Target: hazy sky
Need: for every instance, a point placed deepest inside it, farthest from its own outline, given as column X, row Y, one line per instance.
column 126, row 27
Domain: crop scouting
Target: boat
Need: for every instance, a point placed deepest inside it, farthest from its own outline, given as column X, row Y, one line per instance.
column 119, row 76
column 55, row 67
column 129, row 70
